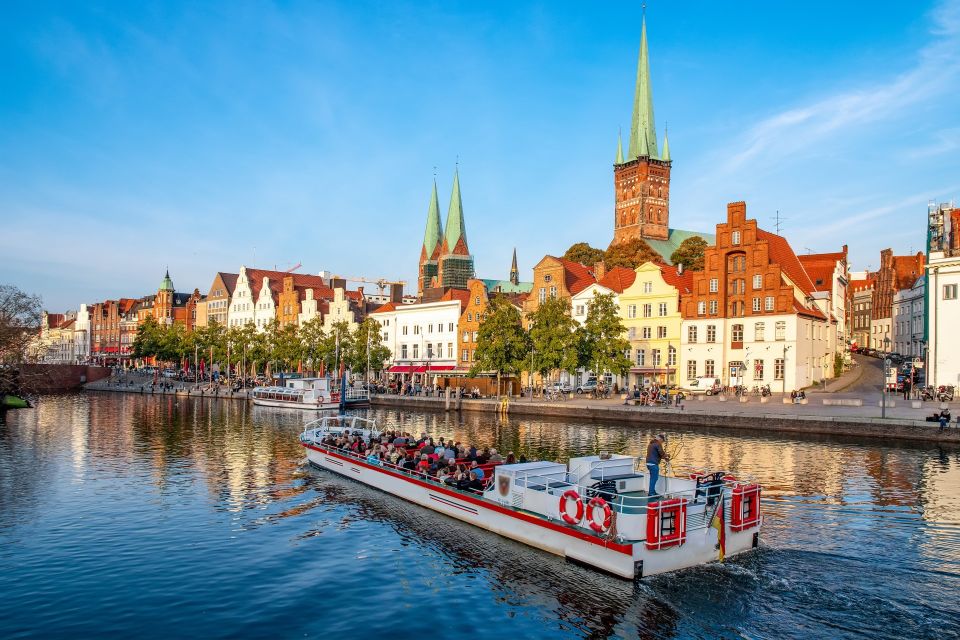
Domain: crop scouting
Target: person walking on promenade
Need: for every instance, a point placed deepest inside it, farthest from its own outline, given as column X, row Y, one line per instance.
column 906, row 389
column 655, row 454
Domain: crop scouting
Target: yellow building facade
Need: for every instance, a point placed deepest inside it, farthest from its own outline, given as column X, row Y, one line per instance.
column 650, row 310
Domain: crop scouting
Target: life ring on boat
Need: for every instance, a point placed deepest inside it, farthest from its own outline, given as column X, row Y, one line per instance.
column 604, row 525
column 568, row 495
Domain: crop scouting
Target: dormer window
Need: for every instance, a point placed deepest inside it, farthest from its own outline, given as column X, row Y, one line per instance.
column 547, row 278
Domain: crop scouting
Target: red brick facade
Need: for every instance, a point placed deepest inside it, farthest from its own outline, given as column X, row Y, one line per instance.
column 642, row 197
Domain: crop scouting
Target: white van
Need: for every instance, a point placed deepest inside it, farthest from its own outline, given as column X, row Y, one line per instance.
column 708, row 386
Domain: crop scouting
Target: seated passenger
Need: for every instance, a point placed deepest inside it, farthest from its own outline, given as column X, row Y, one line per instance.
column 494, row 456
column 424, row 465
column 484, row 456
column 476, row 477
column 449, row 453
column 511, row 458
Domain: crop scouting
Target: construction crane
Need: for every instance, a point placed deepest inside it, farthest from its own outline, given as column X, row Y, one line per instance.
column 381, row 282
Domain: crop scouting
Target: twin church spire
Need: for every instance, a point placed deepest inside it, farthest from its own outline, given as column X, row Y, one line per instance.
column 445, row 259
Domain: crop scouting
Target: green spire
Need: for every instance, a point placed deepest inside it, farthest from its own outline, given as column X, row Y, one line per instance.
column 431, row 237
column 666, row 147
column 619, row 149
column 455, row 226
column 643, row 133
column 167, row 284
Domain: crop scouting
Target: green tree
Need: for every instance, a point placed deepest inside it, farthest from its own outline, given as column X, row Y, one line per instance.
column 146, row 344
column 336, row 346
column 313, row 337
column 553, row 338
column 287, row 346
column 603, row 337
column 584, row 254
column 630, row 254
column 690, row 253
column 366, row 341
column 502, row 344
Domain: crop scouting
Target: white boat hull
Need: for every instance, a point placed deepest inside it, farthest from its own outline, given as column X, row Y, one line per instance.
column 287, row 404
column 624, row 559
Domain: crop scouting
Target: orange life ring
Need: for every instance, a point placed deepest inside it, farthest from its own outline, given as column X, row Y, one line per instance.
column 600, row 527
column 570, row 494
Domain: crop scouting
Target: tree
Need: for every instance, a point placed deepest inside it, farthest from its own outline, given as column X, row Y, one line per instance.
column 584, row 254
column 553, row 338
column 312, row 335
column 146, row 344
column 368, row 347
column 20, row 316
column 690, row 253
column 630, row 254
column 502, row 344
column 287, row 346
column 603, row 336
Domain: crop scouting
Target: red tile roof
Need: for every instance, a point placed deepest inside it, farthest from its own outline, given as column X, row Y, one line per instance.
column 457, row 294
column 577, row 277
column 320, row 289
column 782, row 254
column 821, row 266
column 618, row 279
column 682, row 282
column 390, row 306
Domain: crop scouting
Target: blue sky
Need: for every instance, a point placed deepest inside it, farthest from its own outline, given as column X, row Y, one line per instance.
column 208, row 135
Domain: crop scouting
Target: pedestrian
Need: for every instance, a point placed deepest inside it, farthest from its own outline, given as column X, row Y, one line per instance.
column 655, row 454
column 906, row 389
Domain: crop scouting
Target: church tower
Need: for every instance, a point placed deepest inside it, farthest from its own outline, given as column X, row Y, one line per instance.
column 642, row 179
column 163, row 303
column 430, row 251
column 456, row 263
column 514, row 272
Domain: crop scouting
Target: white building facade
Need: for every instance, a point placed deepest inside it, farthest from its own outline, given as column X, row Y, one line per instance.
column 422, row 338
column 908, row 320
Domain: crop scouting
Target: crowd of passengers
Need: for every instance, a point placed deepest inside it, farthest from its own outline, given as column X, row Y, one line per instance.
column 453, row 463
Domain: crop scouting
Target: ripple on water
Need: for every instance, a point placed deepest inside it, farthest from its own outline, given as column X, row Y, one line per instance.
column 160, row 516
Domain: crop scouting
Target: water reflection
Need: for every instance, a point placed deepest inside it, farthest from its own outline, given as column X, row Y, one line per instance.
column 859, row 539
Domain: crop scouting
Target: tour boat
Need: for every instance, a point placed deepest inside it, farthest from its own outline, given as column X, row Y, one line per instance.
column 594, row 510
column 298, row 393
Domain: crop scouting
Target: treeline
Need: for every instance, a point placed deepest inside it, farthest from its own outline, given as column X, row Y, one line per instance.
column 286, row 348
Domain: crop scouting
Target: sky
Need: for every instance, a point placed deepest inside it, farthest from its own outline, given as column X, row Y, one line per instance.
column 204, row 136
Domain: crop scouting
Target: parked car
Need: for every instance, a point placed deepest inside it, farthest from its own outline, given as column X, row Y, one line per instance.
column 561, row 387
column 587, row 387
column 169, row 373
column 709, row 386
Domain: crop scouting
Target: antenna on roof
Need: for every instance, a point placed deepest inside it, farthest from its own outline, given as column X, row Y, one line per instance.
column 778, row 221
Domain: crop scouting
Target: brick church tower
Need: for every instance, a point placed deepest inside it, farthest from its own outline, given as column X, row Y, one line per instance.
column 430, row 251
column 642, row 180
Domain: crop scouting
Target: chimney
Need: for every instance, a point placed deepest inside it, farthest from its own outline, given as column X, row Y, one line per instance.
column 599, row 270
column 396, row 293
column 679, row 268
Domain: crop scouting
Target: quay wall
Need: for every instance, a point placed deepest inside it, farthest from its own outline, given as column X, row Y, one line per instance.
column 55, row 378
column 859, row 427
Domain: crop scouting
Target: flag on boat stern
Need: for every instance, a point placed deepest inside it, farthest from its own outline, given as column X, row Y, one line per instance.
column 717, row 523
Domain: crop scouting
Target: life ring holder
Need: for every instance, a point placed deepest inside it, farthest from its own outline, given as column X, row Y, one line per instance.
column 571, row 494
column 603, row 526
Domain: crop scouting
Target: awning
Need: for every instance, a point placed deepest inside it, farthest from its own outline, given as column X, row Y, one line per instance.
column 653, row 370
column 408, row 368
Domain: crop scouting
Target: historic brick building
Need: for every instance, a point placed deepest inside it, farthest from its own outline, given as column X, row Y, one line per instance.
column 445, row 259
column 557, row 278
column 895, row 273
column 642, row 179
column 751, row 317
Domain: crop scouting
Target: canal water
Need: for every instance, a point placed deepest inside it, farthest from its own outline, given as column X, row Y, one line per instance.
column 126, row 515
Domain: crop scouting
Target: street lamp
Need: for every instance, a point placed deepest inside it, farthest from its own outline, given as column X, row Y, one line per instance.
column 886, row 364
column 783, row 374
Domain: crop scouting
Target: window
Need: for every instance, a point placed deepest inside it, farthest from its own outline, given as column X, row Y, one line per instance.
column 386, row 336
column 403, row 352
column 949, row 292
column 542, row 295
column 758, row 281
column 708, row 369
column 647, row 310
column 692, row 334
column 553, row 292
column 758, row 370
column 450, row 350
column 476, row 301
column 736, row 333
column 466, row 336
column 691, row 369
column 714, row 285
column 671, row 356
column 713, row 307
column 416, row 330
column 756, row 304
column 416, row 351
column 464, row 355
column 656, row 357
column 711, row 333
column 429, row 350
column 701, row 308
column 470, row 317
column 646, row 332
column 631, row 311
column 449, row 327
column 547, row 278
column 404, row 330
column 648, row 287
column 735, row 237
column 663, row 309
column 768, row 303
column 661, row 332
column 631, row 333
column 580, row 310
column 778, row 369
column 758, row 331
column 780, row 331
column 641, row 357
column 474, row 336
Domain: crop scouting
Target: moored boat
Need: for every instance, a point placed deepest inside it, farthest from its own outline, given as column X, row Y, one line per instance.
column 298, row 393
column 593, row 510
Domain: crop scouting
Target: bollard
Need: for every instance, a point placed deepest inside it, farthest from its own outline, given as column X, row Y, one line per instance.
column 446, row 405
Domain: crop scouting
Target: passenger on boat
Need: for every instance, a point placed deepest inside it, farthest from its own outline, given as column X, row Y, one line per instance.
column 484, row 456
column 511, row 459
column 424, row 465
column 655, row 454
column 449, row 453
column 494, row 456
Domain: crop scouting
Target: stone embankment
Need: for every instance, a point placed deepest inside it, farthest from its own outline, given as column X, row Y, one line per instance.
column 858, row 420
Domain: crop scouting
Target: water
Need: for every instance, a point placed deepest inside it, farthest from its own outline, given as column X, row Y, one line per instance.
column 123, row 515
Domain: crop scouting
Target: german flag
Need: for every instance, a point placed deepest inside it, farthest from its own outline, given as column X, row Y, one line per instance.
column 718, row 524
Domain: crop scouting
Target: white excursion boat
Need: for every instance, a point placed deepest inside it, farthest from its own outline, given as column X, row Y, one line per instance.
column 298, row 393
column 593, row 510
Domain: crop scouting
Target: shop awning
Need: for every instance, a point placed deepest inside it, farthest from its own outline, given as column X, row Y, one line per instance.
column 421, row 368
